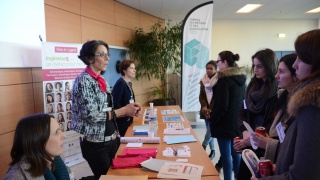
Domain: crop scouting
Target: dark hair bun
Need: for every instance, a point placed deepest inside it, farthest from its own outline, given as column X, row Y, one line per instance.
column 236, row 57
column 118, row 66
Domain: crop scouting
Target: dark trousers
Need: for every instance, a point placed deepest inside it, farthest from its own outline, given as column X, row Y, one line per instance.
column 99, row 155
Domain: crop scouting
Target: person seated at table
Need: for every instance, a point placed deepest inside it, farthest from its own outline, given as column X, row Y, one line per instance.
column 36, row 150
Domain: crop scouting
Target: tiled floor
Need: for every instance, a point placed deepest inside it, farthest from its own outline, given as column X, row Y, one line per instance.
column 83, row 169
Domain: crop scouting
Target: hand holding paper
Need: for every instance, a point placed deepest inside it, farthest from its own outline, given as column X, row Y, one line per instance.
column 251, row 132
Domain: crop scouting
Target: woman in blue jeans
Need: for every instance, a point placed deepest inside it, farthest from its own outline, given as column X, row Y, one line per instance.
column 227, row 96
column 206, row 85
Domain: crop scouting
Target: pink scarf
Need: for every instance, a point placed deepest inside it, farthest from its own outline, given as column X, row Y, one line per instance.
column 102, row 83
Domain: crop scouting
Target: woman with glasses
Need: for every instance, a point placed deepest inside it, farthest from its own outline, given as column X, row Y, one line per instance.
column 260, row 99
column 227, row 96
column 123, row 93
column 93, row 114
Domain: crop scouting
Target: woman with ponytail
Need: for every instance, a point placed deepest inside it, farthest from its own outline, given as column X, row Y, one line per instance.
column 227, row 96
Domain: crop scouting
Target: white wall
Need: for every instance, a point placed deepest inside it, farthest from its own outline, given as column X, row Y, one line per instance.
column 21, row 24
column 245, row 37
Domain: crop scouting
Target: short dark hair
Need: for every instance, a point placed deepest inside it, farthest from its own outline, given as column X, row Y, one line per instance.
column 307, row 46
column 30, row 138
column 212, row 62
column 229, row 57
column 123, row 66
column 88, row 50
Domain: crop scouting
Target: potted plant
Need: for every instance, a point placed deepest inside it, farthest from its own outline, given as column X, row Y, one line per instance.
column 157, row 51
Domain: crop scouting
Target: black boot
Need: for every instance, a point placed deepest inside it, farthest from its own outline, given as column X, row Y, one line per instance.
column 204, row 147
column 212, row 154
column 218, row 166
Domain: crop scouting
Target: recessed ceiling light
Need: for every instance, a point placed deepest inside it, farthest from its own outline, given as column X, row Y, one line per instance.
column 316, row 10
column 249, row 8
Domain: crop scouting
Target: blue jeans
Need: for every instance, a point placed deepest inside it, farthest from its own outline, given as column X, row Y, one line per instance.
column 227, row 151
column 207, row 138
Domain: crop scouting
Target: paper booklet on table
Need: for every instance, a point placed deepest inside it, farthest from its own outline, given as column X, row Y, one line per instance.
column 172, row 111
column 176, row 131
column 252, row 162
column 173, row 118
column 180, row 171
column 179, row 139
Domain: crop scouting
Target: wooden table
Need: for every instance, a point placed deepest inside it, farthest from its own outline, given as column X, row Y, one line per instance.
column 198, row 154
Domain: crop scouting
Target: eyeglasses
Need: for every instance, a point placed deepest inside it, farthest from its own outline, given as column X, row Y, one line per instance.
column 219, row 61
column 103, row 55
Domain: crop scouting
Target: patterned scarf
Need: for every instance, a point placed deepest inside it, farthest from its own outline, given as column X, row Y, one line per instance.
column 102, row 83
column 256, row 97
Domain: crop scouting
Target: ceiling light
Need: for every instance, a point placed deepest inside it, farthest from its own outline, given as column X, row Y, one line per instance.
column 249, row 8
column 316, row 10
column 281, row 35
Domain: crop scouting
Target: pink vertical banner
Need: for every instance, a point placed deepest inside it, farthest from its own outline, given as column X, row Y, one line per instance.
column 60, row 67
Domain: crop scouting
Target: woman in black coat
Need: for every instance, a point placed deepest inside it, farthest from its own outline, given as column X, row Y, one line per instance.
column 227, row 96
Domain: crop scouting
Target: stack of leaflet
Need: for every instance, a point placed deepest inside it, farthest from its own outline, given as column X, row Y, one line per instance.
column 177, row 151
column 176, row 128
column 153, row 164
column 149, row 113
column 140, row 130
column 179, row 139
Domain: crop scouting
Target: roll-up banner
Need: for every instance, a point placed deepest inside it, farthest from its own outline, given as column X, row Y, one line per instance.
column 196, row 45
column 60, row 67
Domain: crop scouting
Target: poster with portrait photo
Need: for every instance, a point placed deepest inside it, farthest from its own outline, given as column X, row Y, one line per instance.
column 67, row 95
column 62, row 126
column 68, row 127
column 59, row 107
column 69, row 116
column 59, row 97
column 68, row 106
column 48, row 87
column 61, row 117
column 49, row 98
column 60, row 67
column 67, row 85
column 50, row 109
column 58, row 86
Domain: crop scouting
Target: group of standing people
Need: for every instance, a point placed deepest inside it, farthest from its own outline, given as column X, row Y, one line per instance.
column 225, row 103
column 282, row 97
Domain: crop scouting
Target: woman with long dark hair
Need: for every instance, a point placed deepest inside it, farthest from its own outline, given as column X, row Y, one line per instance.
column 36, row 150
column 260, row 98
